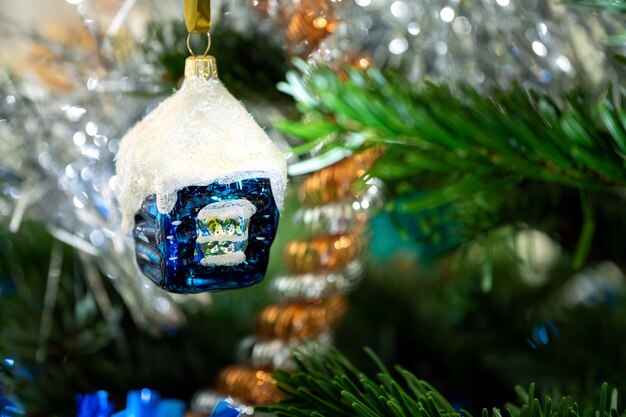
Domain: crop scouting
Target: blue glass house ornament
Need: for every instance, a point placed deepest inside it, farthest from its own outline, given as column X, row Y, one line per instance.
column 200, row 186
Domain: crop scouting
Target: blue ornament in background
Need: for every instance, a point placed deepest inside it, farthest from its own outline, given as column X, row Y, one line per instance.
column 9, row 405
column 226, row 408
column 95, row 404
column 212, row 404
column 200, row 185
column 171, row 408
column 9, row 409
column 542, row 333
column 217, row 237
column 142, row 403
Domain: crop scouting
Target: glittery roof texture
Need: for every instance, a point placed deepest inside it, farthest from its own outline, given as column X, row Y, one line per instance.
column 198, row 136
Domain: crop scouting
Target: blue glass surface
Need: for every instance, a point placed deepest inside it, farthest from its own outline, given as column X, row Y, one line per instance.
column 142, row 403
column 95, row 404
column 166, row 247
column 226, row 408
column 170, row 408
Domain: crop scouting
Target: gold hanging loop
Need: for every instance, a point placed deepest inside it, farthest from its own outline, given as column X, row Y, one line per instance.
column 208, row 44
column 198, row 16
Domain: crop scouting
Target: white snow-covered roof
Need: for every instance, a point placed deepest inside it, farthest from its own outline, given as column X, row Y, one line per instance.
column 200, row 135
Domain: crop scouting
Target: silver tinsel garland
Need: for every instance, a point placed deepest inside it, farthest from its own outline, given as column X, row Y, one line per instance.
column 57, row 148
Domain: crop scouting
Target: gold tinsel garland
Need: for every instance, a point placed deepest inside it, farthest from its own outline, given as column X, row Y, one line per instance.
column 316, row 264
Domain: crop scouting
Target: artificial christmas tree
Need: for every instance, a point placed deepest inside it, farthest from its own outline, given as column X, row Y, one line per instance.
column 489, row 131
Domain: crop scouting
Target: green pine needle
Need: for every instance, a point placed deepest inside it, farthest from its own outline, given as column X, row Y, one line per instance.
column 475, row 152
column 431, row 129
column 329, row 385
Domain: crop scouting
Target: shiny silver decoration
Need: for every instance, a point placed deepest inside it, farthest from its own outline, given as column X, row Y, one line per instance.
column 310, row 287
column 61, row 120
column 58, row 144
column 205, row 400
column 541, row 43
column 277, row 353
column 331, row 219
column 337, row 218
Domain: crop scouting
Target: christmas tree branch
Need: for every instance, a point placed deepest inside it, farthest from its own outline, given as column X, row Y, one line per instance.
column 331, row 385
column 324, row 385
column 507, row 134
column 458, row 146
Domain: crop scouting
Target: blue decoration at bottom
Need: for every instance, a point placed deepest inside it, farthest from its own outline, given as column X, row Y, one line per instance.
column 226, row 408
column 171, row 408
column 217, row 237
column 9, row 405
column 95, row 404
column 141, row 403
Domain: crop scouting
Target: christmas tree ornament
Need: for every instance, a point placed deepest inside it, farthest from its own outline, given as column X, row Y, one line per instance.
column 323, row 266
column 300, row 320
column 277, row 353
column 141, row 403
column 9, row 406
column 313, row 286
column 226, row 408
column 200, row 183
column 309, row 22
column 95, row 404
column 337, row 181
column 250, row 384
column 209, row 403
column 343, row 215
column 305, row 23
column 329, row 253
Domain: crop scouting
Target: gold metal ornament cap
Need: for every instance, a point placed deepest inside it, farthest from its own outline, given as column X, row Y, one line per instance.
column 203, row 67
